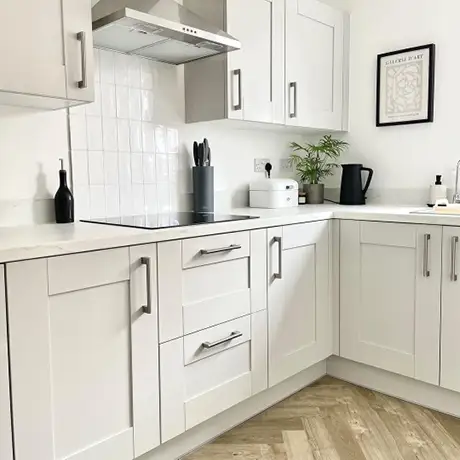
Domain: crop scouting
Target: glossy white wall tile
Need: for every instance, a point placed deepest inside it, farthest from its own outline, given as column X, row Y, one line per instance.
column 126, row 160
column 137, row 147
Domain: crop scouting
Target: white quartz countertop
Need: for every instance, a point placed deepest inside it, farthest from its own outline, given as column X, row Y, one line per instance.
column 30, row 242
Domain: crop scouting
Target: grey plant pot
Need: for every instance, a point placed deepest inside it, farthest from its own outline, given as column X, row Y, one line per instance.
column 315, row 193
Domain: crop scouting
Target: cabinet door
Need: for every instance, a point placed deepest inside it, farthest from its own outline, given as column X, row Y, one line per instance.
column 314, row 64
column 205, row 373
column 32, row 48
column 78, row 46
column 144, row 348
column 299, row 309
column 450, row 359
column 70, row 349
column 390, row 279
column 6, row 438
column 251, row 92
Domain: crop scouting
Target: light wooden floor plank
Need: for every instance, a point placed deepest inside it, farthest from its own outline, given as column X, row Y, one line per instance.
column 334, row 420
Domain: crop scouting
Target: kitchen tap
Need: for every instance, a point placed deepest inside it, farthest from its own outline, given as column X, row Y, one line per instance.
column 456, row 197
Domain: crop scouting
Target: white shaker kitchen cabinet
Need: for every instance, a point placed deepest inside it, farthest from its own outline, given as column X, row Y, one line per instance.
column 299, row 307
column 6, row 435
column 78, row 331
column 246, row 84
column 144, row 348
column 210, row 280
column 205, row 373
column 450, row 359
column 78, row 48
column 45, row 61
column 315, row 49
column 390, row 281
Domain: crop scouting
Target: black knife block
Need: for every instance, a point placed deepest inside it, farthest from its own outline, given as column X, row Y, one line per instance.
column 203, row 189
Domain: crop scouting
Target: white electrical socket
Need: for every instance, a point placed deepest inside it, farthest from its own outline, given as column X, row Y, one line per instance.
column 285, row 165
column 259, row 164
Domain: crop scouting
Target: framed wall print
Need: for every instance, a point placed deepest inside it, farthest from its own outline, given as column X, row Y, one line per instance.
column 405, row 86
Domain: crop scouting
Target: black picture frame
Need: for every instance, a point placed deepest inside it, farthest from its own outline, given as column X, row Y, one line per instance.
column 431, row 85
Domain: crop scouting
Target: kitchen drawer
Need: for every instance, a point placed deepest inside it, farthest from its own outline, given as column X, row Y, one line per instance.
column 216, row 248
column 194, row 344
column 198, row 291
column 213, row 294
column 208, row 372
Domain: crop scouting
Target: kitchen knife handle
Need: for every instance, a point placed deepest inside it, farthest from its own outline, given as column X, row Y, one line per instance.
column 279, row 241
column 148, row 275
column 232, row 336
column 232, row 247
column 454, row 248
column 293, row 106
column 237, row 73
column 426, row 255
column 83, row 83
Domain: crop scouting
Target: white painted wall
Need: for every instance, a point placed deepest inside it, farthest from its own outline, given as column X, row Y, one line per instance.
column 30, row 145
column 405, row 158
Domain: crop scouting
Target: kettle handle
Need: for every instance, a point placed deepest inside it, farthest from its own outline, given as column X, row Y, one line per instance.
column 369, row 179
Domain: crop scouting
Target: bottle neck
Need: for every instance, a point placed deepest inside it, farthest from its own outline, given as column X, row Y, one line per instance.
column 63, row 178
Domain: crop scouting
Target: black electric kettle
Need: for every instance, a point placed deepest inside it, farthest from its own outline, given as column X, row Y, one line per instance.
column 351, row 190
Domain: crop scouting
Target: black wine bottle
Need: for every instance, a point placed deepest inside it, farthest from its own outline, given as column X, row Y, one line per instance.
column 63, row 200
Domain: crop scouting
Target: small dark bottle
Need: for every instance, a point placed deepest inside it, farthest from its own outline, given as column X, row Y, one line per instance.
column 63, row 200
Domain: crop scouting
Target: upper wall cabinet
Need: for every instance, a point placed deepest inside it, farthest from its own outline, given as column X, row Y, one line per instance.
column 314, row 65
column 47, row 50
column 244, row 84
column 291, row 69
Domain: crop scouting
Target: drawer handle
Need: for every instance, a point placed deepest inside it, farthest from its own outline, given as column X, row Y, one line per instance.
column 278, row 240
column 232, row 247
column 148, row 275
column 83, row 83
column 454, row 275
column 426, row 255
column 232, row 336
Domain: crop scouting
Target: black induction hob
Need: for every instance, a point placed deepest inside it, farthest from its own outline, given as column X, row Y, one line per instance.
column 179, row 219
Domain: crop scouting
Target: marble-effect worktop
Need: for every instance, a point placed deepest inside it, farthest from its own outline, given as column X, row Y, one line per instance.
column 47, row 240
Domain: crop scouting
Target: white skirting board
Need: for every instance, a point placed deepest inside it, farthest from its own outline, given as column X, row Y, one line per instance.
column 405, row 388
column 205, row 432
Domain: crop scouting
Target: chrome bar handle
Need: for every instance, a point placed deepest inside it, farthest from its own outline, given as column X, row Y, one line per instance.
column 293, row 113
column 148, row 278
column 426, row 255
column 232, row 247
column 232, row 336
column 453, row 259
column 237, row 73
column 83, row 83
column 279, row 241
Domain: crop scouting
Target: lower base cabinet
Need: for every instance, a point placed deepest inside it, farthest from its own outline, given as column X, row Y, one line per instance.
column 450, row 317
column 299, row 300
column 6, row 435
column 207, row 372
column 390, row 294
column 84, row 359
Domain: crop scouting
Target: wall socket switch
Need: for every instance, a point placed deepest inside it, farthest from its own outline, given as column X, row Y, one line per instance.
column 259, row 164
column 285, row 165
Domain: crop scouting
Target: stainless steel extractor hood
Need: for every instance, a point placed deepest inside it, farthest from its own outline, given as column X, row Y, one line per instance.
column 157, row 29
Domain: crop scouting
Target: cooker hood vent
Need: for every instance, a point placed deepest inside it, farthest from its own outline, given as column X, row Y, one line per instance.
column 162, row 30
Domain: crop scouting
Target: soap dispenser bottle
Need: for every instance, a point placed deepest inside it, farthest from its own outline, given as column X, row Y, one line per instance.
column 438, row 191
column 63, row 200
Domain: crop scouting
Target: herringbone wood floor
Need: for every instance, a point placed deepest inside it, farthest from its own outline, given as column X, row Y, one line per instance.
column 333, row 420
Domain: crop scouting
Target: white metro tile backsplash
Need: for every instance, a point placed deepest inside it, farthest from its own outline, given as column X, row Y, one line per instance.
column 126, row 158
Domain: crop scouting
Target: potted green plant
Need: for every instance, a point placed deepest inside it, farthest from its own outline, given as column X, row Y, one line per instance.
column 315, row 162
